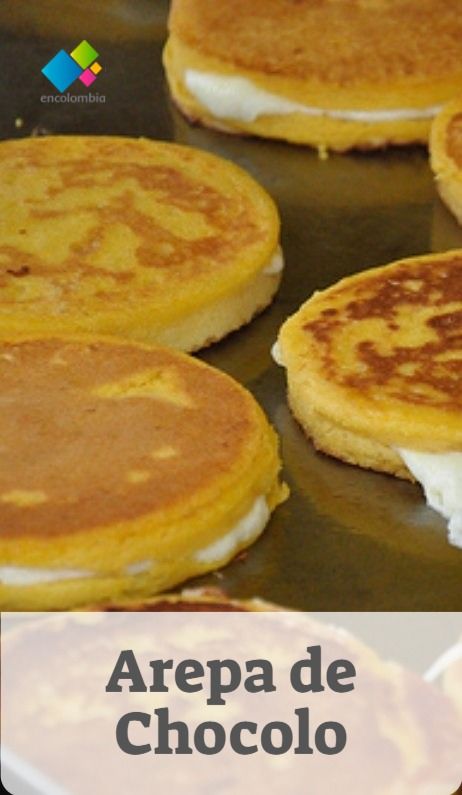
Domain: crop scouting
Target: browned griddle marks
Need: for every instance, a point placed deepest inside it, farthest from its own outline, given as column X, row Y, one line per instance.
column 350, row 42
column 429, row 374
column 233, row 225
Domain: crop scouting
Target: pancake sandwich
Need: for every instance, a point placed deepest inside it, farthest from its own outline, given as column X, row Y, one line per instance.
column 446, row 155
column 126, row 469
column 329, row 73
column 374, row 369
column 130, row 237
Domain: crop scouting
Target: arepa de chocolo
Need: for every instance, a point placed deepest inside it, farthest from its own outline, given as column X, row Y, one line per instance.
column 374, row 370
column 131, row 237
column 125, row 469
column 329, row 73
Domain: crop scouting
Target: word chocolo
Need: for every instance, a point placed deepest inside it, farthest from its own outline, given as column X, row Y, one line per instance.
column 223, row 677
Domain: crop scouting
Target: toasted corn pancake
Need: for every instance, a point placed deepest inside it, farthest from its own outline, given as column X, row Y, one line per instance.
column 446, row 155
column 130, row 237
column 377, row 357
column 329, row 73
column 126, row 469
column 374, row 369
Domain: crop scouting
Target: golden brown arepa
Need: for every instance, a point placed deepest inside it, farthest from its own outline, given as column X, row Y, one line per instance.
column 374, row 369
column 132, row 237
column 126, row 469
column 446, row 155
column 336, row 74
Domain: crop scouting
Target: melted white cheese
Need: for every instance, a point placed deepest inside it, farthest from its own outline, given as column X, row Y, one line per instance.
column 245, row 531
column 440, row 475
column 22, row 575
column 238, row 99
column 276, row 263
column 138, row 568
column 276, row 353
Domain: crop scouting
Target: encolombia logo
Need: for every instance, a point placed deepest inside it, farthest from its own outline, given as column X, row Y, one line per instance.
column 64, row 69
column 73, row 98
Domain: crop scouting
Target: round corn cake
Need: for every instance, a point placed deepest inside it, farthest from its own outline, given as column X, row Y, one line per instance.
column 332, row 74
column 374, row 362
column 126, row 469
column 130, row 237
column 446, row 155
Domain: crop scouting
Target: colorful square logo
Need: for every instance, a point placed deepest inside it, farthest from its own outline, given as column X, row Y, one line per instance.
column 64, row 69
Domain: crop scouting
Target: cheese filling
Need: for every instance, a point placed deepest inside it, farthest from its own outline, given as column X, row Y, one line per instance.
column 440, row 475
column 238, row 99
column 246, row 530
column 276, row 353
column 22, row 575
column 276, row 263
